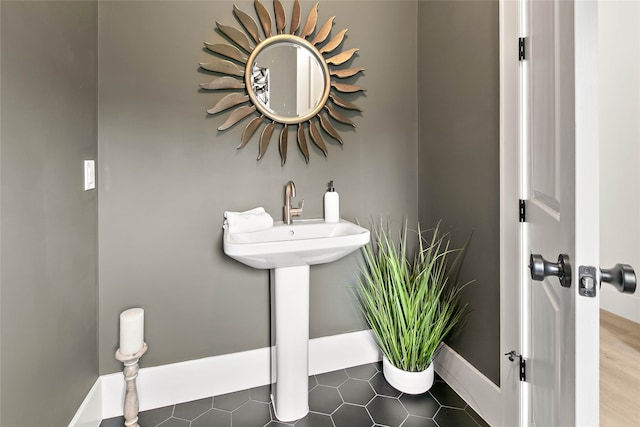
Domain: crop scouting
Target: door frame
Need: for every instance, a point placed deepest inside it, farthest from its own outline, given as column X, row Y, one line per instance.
column 510, row 227
column 587, row 207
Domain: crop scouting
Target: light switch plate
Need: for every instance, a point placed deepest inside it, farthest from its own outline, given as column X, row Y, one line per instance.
column 89, row 175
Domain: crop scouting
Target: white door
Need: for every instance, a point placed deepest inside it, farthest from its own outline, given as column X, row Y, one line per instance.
column 559, row 180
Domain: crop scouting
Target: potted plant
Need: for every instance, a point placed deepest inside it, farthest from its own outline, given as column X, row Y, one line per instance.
column 411, row 305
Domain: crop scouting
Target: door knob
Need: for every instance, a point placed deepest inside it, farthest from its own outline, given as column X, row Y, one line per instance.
column 541, row 268
column 621, row 276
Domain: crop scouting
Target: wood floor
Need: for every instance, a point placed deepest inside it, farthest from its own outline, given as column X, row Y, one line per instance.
column 619, row 371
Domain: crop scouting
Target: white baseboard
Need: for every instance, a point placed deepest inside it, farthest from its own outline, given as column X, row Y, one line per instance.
column 196, row 379
column 90, row 412
column 476, row 389
column 624, row 305
column 341, row 351
column 165, row 385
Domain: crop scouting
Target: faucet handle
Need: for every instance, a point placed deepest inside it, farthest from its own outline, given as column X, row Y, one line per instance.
column 298, row 211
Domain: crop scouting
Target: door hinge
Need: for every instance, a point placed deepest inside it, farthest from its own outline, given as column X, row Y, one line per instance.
column 521, row 48
column 522, row 209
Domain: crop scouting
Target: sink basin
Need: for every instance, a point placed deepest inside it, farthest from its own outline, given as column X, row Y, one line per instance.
column 305, row 242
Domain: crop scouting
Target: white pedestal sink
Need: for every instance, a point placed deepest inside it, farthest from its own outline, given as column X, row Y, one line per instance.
column 288, row 251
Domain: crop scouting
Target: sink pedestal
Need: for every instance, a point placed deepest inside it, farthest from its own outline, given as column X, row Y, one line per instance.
column 290, row 335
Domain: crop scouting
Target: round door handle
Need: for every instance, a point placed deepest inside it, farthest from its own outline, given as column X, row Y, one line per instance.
column 541, row 268
column 621, row 276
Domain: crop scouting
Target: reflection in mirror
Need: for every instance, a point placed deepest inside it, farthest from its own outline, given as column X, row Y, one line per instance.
column 287, row 80
column 260, row 84
column 291, row 77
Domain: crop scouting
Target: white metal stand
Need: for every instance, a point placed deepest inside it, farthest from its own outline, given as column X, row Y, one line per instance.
column 130, row 371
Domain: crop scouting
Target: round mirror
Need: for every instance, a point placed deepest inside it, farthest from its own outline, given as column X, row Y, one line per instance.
column 291, row 77
column 287, row 79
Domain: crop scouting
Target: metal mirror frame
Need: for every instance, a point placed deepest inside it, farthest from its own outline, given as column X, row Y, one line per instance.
column 282, row 38
column 231, row 61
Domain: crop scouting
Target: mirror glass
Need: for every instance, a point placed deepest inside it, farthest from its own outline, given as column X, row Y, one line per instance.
column 287, row 80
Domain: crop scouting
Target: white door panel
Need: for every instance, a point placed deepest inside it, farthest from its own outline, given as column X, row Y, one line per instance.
column 559, row 165
column 547, row 322
column 543, row 98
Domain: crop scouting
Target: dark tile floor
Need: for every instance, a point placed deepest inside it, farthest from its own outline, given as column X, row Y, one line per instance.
column 353, row 397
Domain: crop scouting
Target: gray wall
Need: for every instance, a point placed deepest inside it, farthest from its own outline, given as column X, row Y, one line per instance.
column 167, row 175
column 48, row 223
column 458, row 61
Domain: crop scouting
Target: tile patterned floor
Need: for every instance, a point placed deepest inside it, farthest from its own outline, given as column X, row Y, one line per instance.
column 353, row 397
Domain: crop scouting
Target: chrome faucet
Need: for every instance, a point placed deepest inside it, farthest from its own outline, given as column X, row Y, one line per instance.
column 289, row 212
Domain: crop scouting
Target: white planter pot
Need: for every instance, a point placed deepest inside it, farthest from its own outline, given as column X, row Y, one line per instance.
column 407, row 382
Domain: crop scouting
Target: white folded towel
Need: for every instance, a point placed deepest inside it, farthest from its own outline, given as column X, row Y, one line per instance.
column 245, row 222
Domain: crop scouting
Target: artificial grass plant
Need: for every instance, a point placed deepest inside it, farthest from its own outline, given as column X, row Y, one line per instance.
column 411, row 305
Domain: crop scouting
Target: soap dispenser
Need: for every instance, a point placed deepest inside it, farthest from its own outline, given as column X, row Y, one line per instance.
column 331, row 204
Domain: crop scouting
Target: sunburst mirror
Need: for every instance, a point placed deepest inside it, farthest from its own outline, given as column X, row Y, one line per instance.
column 288, row 78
